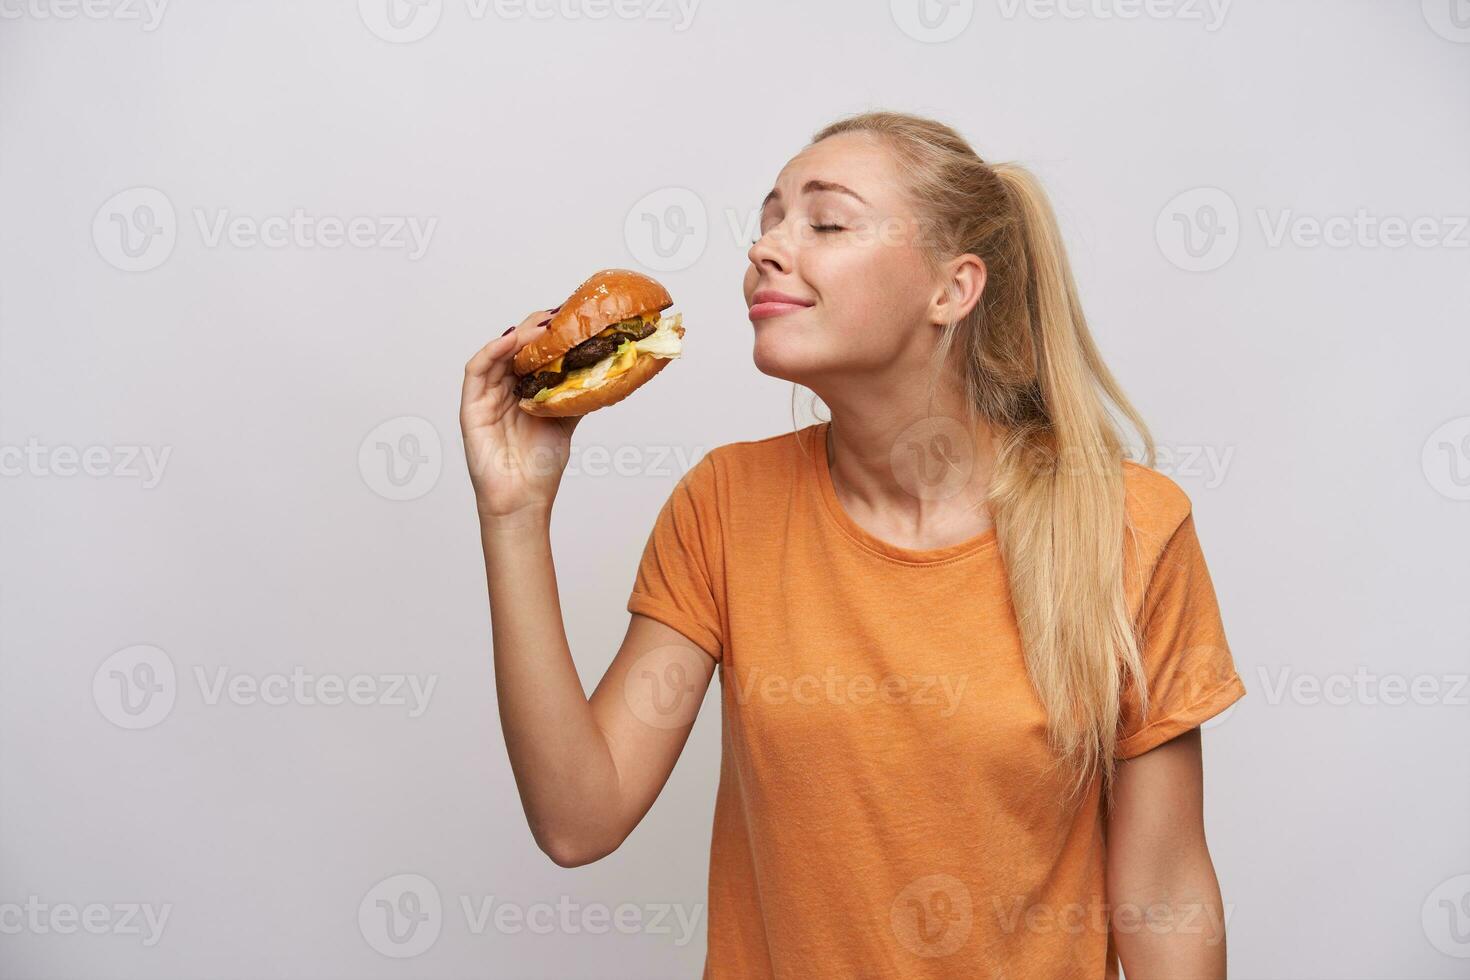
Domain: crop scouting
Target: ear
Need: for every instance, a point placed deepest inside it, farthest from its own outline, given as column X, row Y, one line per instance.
column 961, row 283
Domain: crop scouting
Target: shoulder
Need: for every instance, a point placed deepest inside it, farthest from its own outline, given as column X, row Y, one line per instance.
column 1156, row 506
column 751, row 464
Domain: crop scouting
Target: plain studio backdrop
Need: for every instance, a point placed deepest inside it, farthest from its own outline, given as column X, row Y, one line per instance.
column 249, row 719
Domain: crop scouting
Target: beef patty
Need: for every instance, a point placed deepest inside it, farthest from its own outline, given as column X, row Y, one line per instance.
column 585, row 354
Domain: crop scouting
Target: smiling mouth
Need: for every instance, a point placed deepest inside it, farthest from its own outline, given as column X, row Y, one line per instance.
column 764, row 311
column 770, row 303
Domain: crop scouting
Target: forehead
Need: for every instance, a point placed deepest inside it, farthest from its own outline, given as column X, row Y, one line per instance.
column 855, row 160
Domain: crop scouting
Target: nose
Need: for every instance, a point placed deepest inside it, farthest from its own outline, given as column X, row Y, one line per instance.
column 770, row 252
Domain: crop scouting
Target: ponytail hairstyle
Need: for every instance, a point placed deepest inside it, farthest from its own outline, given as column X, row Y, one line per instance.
column 1029, row 368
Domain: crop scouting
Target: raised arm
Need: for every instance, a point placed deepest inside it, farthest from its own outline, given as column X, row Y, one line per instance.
column 587, row 770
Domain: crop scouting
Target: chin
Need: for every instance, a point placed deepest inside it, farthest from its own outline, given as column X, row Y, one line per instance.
column 777, row 357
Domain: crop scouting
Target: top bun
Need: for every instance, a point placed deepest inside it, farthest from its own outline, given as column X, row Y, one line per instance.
column 607, row 297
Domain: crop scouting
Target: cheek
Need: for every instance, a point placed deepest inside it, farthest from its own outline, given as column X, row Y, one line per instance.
column 870, row 292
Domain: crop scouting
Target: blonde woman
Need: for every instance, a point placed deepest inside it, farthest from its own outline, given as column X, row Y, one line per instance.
column 964, row 644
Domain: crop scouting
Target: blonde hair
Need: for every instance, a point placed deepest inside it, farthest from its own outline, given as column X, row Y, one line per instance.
column 1029, row 367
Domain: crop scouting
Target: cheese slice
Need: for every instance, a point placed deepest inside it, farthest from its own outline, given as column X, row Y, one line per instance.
column 664, row 342
column 554, row 367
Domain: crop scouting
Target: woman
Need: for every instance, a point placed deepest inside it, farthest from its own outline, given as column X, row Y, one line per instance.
column 964, row 644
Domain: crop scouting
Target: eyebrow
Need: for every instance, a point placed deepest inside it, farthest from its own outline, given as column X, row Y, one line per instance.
column 811, row 187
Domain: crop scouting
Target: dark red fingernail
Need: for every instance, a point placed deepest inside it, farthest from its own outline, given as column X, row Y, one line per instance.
column 544, row 322
column 507, row 330
column 553, row 309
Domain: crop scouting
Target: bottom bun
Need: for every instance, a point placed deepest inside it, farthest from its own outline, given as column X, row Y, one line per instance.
column 598, row 396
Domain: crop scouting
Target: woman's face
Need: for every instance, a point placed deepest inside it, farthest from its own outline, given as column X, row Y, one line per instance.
column 837, row 235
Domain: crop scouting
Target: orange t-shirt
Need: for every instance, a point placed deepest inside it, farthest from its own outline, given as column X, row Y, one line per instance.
column 888, row 805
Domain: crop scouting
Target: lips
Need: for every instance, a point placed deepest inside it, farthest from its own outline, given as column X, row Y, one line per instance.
column 766, row 303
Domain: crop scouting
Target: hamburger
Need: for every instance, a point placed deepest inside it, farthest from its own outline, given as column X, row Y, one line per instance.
column 605, row 341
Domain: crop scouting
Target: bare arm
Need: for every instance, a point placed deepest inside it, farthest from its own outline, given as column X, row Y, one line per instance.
column 587, row 770
column 1167, row 915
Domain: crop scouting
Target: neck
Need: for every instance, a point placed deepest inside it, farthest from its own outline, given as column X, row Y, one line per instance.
column 924, row 466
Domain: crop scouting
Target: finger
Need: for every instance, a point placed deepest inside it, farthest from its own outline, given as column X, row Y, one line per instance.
column 481, row 373
column 539, row 318
column 521, row 334
column 487, row 368
column 536, row 318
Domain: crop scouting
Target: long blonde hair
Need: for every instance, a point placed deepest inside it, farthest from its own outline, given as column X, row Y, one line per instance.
column 1030, row 368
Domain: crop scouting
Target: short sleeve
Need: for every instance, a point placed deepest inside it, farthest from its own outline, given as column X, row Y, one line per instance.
column 1190, row 673
column 680, row 575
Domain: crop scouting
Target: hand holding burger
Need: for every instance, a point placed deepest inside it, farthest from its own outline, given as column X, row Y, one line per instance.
column 605, row 341
column 600, row 345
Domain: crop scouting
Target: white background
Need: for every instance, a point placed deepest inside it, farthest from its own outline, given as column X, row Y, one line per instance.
column 1317, row 377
